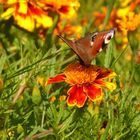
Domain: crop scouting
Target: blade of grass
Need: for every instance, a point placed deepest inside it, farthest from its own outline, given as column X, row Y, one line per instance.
column 30, row 67
column 2, row 62
column 108, row 55
column 67, row 122
column 124, row 50
column 109, row 10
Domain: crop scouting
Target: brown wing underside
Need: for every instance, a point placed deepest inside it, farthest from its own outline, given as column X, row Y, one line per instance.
column 80, row 49
column 89, row 46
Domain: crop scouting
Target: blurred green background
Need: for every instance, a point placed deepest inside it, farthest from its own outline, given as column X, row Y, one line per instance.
column 29, row 56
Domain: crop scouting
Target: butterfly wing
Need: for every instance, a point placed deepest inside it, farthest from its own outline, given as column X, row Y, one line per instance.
column 79, row 49
column 89, row 46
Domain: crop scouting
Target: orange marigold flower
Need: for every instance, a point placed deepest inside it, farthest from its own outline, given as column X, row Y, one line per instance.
column 129, row 22
column 85, row 82
column 62, row 98
column 66, row 9
column 69, row 29
column 52, row 99
column 99, row 16
column 124, row 17
column 26, row 13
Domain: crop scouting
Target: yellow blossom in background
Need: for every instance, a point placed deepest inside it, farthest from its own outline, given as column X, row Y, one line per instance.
column 127, row 19
column 62, row 98
column 40, row 80
column 124, row 17
column 31, row 14
column 52, row 99
column 66, row 9
column 26, row 13
column 123, row 11
column 129, row 22
column 125, row 2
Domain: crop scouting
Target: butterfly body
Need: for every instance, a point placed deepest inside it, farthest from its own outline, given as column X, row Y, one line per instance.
column 89, row 46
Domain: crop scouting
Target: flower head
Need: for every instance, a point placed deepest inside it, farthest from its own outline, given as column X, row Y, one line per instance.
column 124, row 16
column 65, row 9
column 85, row 82
column 69, row 29
column 27, row 14
column 129, row 23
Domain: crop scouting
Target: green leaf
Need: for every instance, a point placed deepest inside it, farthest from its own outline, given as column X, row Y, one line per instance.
column 36, row 95
column 119, row 56
column 108, row 56
column 67, row 122
column 2, row 62
column 110, row 7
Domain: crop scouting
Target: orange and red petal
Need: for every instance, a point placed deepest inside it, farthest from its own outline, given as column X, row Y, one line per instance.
column 109, row 85
column 93, row 92
column 56, row 79
column 76, row 96
column 3, row 1
column 106, row 73
column 41, row 18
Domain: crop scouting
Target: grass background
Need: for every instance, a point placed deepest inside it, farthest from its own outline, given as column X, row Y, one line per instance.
column 24, row 57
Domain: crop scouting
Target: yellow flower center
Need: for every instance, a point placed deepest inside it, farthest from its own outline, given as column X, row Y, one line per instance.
column 80, row 74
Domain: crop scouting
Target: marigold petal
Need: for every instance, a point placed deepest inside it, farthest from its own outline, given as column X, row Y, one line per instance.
column 9, row 1
column 44, row 20
column 58, row 78
column 26, row 22
column 108, row 85
column 23, row 7
column 112, row 74
column 76, row 96
column 93, row 92
column 8, row 13
column 106, row 73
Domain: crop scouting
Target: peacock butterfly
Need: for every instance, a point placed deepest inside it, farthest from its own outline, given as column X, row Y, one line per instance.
column 89, row 46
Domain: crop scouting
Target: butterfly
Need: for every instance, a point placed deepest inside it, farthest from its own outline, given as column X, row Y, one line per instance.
column 89, row 46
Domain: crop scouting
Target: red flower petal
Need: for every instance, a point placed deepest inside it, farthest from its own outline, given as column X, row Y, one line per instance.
column 64, row 9
column 76, row 96
column 56, row 79
column 93, row 92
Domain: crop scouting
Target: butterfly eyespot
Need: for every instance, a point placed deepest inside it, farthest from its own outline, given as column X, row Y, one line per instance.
column 108, row 37
column 94, row 36
column 100, row 49
column 91, row 43
column 93, row 39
